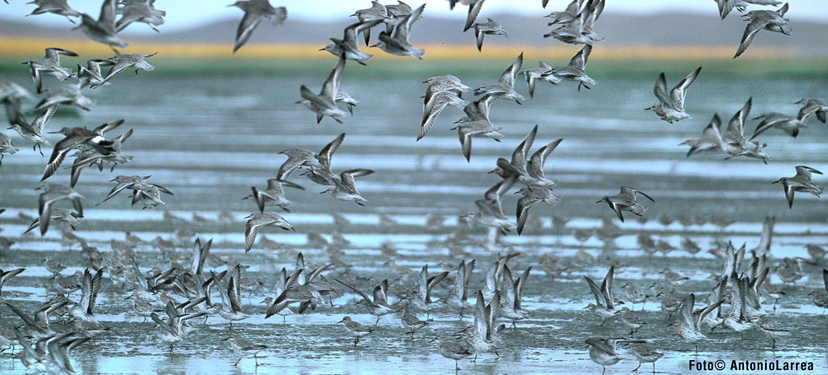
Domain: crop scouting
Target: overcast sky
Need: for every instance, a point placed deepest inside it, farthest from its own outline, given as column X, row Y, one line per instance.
column 187, row 13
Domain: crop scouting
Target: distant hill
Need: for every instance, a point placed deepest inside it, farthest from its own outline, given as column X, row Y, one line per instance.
column 666, row 29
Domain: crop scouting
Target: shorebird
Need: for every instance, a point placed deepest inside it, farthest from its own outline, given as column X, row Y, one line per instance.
column 52, row 193
column 467, row 130
column 505, row 86
column 103, row 30
column 59, row 7
column 378, row 12
column 763, row 19
column 245, row 346
column 788, row 124
column 602, row 351
column 490, row 27
column 568, row 15
column 625, row 201
column 254, row 11
column 725, row 6
column 379, row 306
column 812, row 106
column 645, row 354
column 802, row 182
column 91, row 76
column 688, row 324
column 734, row 140
column 513, row 294
column 517, row 167
column 355, row 328
column 126, row 61
column 67, row 216
column 6, row 146
column 75, row 137
column 273, row 194
column 324, row 104
column 262, row 219
column 348, row 46
column 532, row 196
column 90, row 287
column 483, row 336
column 532, row 174
column 398, row 10
column 440, row 84
column 711, row 139
column 89, row 157
column 575, row 70
column 633, row 295
column 435, row 105
column 459, row 295
column 140, row 11
column 298, row 157
column 489, row 211
column 580, row 29
column 452, row 350
column 671, row 106
column 539, row 73
column 604, row 306
column 139, row 187
column 66, row 95
column 344, row 188
column 49, row 64
column 397, row 43
column 173, row 330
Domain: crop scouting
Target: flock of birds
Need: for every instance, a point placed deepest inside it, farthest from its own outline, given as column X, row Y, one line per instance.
column 739, row 287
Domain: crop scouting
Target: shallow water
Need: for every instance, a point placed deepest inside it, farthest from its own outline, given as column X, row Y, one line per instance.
column 208, row 139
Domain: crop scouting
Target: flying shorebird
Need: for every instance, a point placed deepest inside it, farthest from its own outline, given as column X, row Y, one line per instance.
column 505, row 86
column 491, row 27
column 734, row 140
column 379, row 306
column 725, row 6
column 140, row 11
column 763, row 19
column 711, row 139
column 73, row 138
column 788, row 124
column 348, row 45
column 625, row 201
column 298, row 157
column 575, row 70
column 489, row 210
column 539, row 73
column 59, row 7
column 580, row 29
column 6, row 146
column 254, row 11
column 467, row 130
column 811, row 106
column 66, row 95
column 262, row 219
column 397, row 43
column 103, row 30
column 671, row 107
column 34, row 131
column 324, row 104
column 126, row 61
column 273, row 194
column 49, row 64
column 531, row 196
column 572, row 11
column 91, row 76
column 51, row 193
column 688, row 324
column 344, row 188
column 801, row 182
column 377, row 12
column 435, row 106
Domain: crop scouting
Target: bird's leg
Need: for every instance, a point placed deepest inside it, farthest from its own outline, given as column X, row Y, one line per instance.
column 256, row 357
column 377, row 322
column 636, row 369
column 237, row 362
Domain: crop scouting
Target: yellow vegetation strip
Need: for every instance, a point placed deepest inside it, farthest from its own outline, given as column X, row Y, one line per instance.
column 27, row 48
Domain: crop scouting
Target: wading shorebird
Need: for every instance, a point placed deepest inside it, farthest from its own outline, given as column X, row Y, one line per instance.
column 801, row 182
column 604, row 306
column 625, row 201
column 671, row 106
